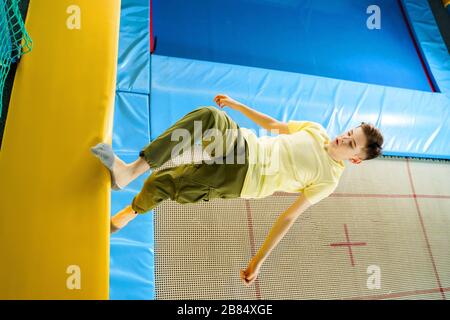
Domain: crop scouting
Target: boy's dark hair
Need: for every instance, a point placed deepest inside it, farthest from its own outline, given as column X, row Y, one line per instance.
column 375, row 141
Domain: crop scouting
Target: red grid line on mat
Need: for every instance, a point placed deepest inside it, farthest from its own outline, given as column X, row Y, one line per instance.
column 424, row 230
column 252, row 244
column 348, row 244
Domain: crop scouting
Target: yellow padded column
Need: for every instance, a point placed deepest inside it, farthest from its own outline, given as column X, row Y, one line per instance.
column 54, row 195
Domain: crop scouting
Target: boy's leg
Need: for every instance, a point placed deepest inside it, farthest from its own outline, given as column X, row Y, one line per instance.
column 225, row 180
column 122, row 218
column 177, row 183
column 160, row 185
column 121, row 173
column 169, row 183
column 159, row 151
column 132, row 171
column 187, row 183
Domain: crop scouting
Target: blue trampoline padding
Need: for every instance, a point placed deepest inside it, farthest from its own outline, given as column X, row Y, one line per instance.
column 131, row 118
column 132, row 274
column 414, row 123
column 430, row 42
column 133, row 70
column 131, row 250
column 308, row 37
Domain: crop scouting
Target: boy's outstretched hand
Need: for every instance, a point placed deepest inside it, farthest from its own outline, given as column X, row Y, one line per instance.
column 223, row 100
column 250, row 274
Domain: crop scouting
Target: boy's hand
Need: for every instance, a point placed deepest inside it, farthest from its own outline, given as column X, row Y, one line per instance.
column 225, row 101
column 250, row 274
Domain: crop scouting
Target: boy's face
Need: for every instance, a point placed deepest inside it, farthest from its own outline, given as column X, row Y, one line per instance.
column 349, row 145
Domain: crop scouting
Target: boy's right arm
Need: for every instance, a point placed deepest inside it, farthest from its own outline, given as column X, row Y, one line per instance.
column 259, row 118
column 276, row 233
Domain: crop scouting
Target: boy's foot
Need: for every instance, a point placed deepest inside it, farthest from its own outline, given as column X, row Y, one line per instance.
column 106, row 155
column 113, row 228
column 122, row 218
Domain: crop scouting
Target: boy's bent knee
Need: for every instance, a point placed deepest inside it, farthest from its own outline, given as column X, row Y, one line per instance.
column 210, row 110
column 137, row 208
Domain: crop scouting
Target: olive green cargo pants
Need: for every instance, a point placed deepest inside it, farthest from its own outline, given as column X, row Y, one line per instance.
column 192, row 182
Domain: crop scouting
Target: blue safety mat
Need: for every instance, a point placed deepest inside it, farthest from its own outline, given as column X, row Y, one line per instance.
column 323, row 38
column 414, row 123
column 133, row 71
column 430, row 42
column 132, row 274
column 131, row 122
